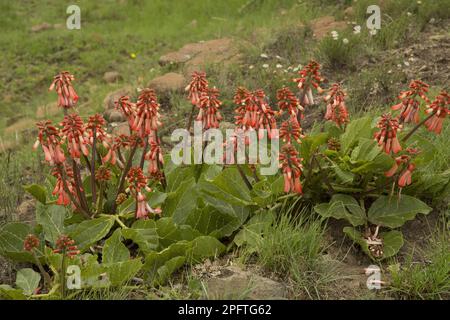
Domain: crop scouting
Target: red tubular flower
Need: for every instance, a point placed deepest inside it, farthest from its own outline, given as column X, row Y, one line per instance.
column 124, row 105
column 147, row 114
column 253, row 111
column 155, row 158
column 310, row 77
column 336, row 109
column 197, row 85
column 405, row 177
column 66, row 246
column 410, row 105
column 49, row 139
column 67, row 97
column 291, row 168
column 136, row 182
column 439, row 109
column 291, row 130
column 73, row 131
column 102, row 174
column 30, row 242
column 387, row 136
column 287, row 101
column 63, row 197
column 96, row 122
column 209, row 105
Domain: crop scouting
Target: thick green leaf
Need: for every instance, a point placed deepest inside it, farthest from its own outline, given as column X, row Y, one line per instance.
column 357, row 129
column 90, row 231
column 205, row 247
column 169, row 232
column 229, row 187
column 394, row 211
column 311, row 143
column 342, row 206
column 144, row 234
column 121, row 272
column 393, row 242
column 28, row 280
column 9, row 293
column 114, row 250
column 252, row 231
column 51, row 218
column 12, row 236
column 156, row 260
column 181, row 202
column 37, row 191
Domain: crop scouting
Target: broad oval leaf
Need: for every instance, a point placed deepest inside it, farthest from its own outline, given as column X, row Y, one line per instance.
column 342, row 206
column 89, row 232
column 12, row 236
column 114, row 250
column 394, row 211
column 51, row 218
column 28, row 280
column 37, row 191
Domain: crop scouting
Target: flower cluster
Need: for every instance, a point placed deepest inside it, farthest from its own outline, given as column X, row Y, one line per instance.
column 254, row 112
column 209, row 105
column 124, row 105
column 291, row 168
column 62, row 83
column 73, row 131
column 405, row 160
column 387, row 136
column 310, row 78
column 49, row 139
column 30, row 242
column 287, row 101
column 136, row 183
column 438, row 110
column 336, row 109
column 196, row 87
column 147, row 117
column 409, row 105
column 66, row 246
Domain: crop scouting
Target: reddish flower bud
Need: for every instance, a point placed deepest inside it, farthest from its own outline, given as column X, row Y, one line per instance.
column 73, row 132
column 387, row 136
column 31, row 241
column 147, row 117
column 197, row 85
column 439, row 108
column 291, row 167
column 410, row 105
column 336, row 109
column 50, row 140
column 67, row 97
column 310, row 78
column 209, row 105
column 66, row 246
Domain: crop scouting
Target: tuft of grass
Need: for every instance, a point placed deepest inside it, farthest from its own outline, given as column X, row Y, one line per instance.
column 337, row 54
column 292, row 248
column 427, row 279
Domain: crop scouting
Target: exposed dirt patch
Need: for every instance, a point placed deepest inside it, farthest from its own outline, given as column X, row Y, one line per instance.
column 196, row 56
column 324, row 25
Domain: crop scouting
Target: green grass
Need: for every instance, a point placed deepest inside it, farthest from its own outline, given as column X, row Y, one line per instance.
column 428, row 278
column 293, row 248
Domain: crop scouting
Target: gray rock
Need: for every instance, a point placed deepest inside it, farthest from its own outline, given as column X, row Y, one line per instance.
column 112, row 76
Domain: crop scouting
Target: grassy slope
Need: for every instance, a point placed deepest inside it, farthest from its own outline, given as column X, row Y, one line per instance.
column 112, row 30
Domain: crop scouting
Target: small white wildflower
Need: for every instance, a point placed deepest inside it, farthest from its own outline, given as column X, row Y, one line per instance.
column 432, row 20
column 251, row 67
column 373, row 32
column 345, row 41
column 419, row 2
column 289, row 68
column 335, row 34
column 278, row 57
column 399, row 65
column 296, row 69
column 389, row 71
column 299, row 66
column 357, row 29
column 409, row 14
column 263, row 55
column 406, row 63
column 265, row 65
column 279, row 66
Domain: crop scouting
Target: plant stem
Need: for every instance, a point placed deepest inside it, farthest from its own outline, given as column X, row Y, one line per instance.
column 45, row 275
column 124, row 175
column 63, row 275
column 417, row 127
column 66, row 189
column 100, row 199
column 144, row 151
column 191, row 116
column 94, row 151
column 78, row 186
column 244, row 177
